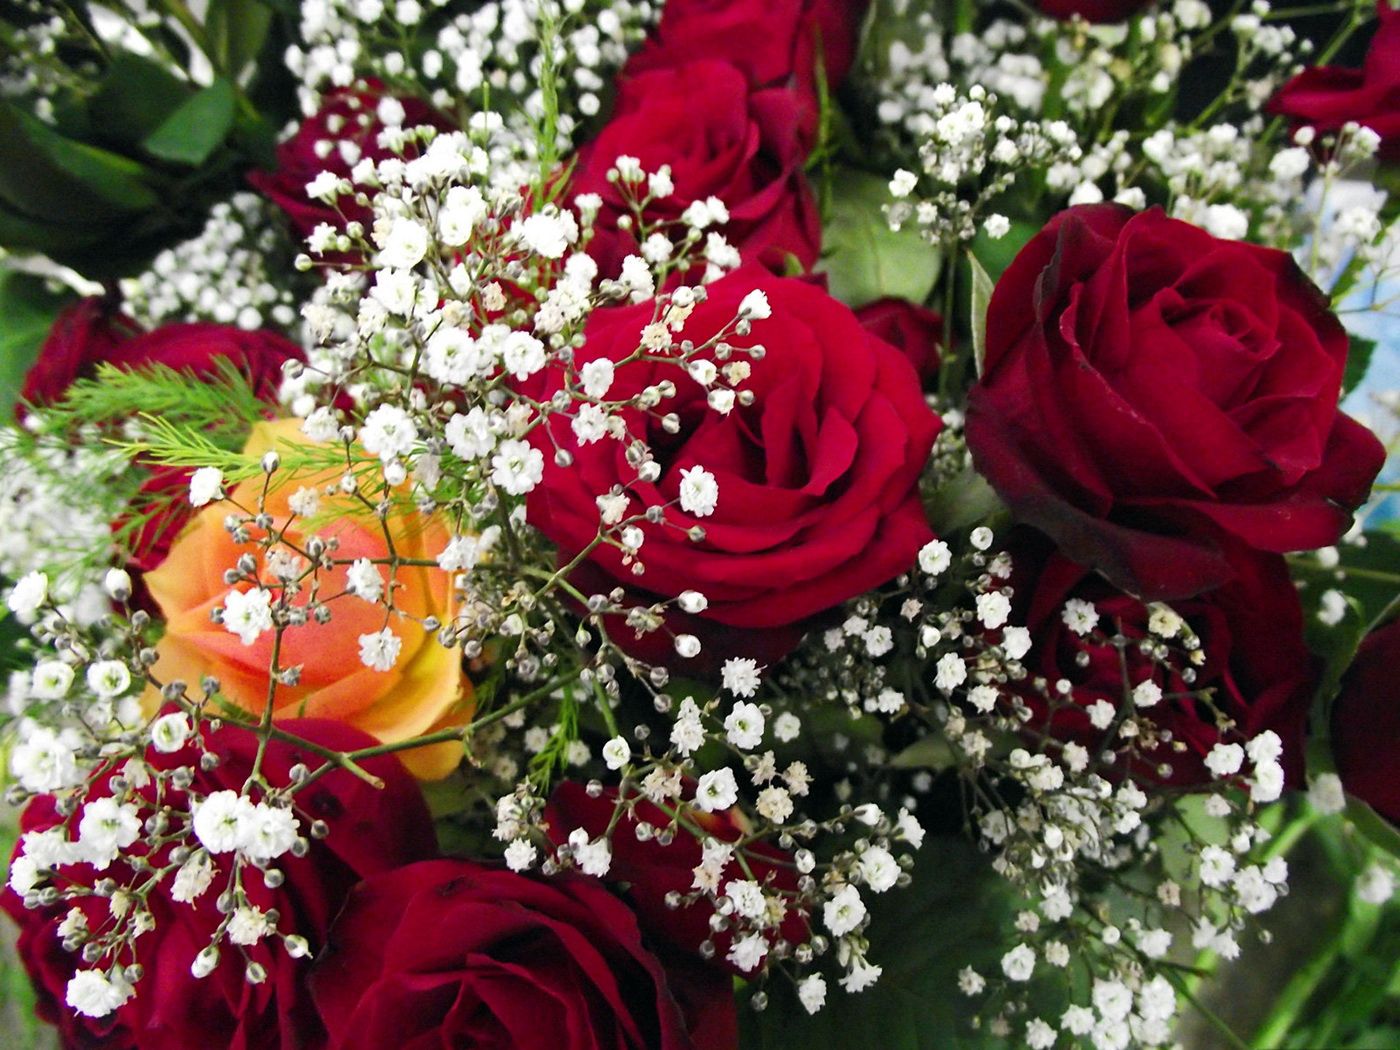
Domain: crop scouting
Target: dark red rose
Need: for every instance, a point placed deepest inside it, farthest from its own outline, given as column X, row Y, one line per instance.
column 1327, row 97
column 1092, row 10
column 1150, row 390
column 370, row 831
column 349, row 116
column 452, row 953
column 164, row 509
column 818, row 477
column 200, row 346
column 647, row 871
column 1366, row 723
column 93, row 331
column 83, row 334
column 1250, row 631
column 914, row 329
column 746, row 148
column 775, row 42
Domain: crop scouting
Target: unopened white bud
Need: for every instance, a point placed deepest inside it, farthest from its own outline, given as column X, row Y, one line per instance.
column 117, row 584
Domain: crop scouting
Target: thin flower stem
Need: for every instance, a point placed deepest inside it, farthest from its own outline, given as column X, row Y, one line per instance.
column 1210, row 1015
column 350, row 759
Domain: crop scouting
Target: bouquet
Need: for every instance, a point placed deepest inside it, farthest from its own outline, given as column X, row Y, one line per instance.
column 695, row 525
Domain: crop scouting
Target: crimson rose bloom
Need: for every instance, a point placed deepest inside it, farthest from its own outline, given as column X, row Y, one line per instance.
column 906, row 326
column 452, row 953
column 1150, row 389
column 93, row 331
column 648, row 871
column 746, row 148
column 1250, row 630
column 83, row 334
column 1366, row 723
column 370, row 831
column 355, row 114
column 774, row 42
column 1092, row 10
column 818, row 497
column 1326, row 97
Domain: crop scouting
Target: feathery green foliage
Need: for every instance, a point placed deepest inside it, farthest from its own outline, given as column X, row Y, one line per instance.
column 223, row 406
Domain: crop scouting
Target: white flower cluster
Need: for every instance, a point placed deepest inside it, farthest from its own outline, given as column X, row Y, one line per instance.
column 75, row 698
column 1022, row 61
column 235, row 271
column 473, row 290
column 671, row 246
column 969, row 156
column 1032, row 70
column 1093, row 808
column 57, row 500
column 1061, row 811
column 131, row 831
column 838, row 861
column 493, row 53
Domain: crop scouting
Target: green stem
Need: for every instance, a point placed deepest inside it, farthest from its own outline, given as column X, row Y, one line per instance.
column 1296, row 993
column 1380, row 575
column 1210, row 1015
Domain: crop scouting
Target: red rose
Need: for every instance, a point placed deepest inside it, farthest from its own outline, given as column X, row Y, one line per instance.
column 818, row 478
column 649, row 871
column 1366, row 723
column 1092, row 10
column 370, row 831
column 1150, row 390
column 1250, row 630
column 198, row 347
column 83, row 334
column 775, row 42
column 93, row 331
column 354, row 113
column 1327, row 97
column 746, row 148
column 451, row 953
column 163, row 509
column 914, row 329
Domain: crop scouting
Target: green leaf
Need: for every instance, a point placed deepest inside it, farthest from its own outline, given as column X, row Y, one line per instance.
column 981, row 297
column 236, row 30
column 1375, row 827
column 24, row 234
column 1358, row 360
column 963, row 500
column 996, row 253
column 1336, row 643
column 18, row 1020
column 930, row 752
column 12, row 657
column 949, row 917
column 27, row 309
column 48, row 177
column 135, row 97
column 197, row 128
column 865, row 259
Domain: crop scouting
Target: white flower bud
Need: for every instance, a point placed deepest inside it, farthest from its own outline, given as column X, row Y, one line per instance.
column 117, row 584
column 205, row 962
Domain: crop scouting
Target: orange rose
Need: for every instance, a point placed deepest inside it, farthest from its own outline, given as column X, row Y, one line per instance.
column 423, row 692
